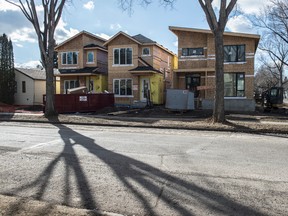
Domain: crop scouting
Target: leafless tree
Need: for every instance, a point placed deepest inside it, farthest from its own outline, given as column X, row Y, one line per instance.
column 273, row 22
column 217, row 26
column 265, row 78
column 45, row 29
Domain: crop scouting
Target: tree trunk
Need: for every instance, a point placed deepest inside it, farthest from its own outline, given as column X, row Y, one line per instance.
column 218, row 112
column 49, row 67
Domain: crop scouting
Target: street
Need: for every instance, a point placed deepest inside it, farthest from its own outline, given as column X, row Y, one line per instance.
column 136, row 171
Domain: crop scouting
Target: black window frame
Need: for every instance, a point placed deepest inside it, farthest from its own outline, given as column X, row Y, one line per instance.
column 193, row 51
column 237, row 90
column 237, row 49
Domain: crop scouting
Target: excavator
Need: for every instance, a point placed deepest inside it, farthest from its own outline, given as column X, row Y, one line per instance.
column 276, row 98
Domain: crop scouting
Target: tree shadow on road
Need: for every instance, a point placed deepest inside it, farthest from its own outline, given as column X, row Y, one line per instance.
column 175, row 193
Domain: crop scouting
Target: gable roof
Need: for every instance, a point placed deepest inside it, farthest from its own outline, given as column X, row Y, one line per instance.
column 35, row 73
column 77, row 35
column 139, row 39
column 144, row 40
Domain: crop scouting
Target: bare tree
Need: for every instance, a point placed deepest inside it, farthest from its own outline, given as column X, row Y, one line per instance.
column 52, row 11
column 217, row 26
column 273, row 22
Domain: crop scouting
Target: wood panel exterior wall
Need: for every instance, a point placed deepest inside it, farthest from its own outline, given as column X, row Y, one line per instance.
column 204, row 65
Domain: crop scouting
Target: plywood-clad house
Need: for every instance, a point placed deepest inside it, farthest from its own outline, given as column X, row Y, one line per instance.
column 196, row 67
column 82, row 61
column 138, row 68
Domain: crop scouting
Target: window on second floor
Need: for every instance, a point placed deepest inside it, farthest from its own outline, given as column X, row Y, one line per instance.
column 69, row 58
column 122, row 56
column 90, row 57
column 234, row 53
column 192, row 51
column 146, row 51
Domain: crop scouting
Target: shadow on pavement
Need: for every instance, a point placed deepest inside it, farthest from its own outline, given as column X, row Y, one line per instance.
column 173, row 192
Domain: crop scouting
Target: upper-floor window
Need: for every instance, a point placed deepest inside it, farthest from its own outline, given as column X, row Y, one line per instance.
column 69, row 58
column 234, row 84
column 234, row 53
column 192, row 51
column 146, row 51
column 90, row 57
column 122, row 56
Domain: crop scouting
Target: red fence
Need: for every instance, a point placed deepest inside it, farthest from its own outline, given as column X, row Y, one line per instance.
column 67, row 103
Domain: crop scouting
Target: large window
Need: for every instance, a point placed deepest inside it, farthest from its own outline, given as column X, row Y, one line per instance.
column 69, row 58
column 69, row 84
column 122, row 56
column 122, row 87
column 90, row 57
column 192, row 51
column 234, row 85
column 235, row 53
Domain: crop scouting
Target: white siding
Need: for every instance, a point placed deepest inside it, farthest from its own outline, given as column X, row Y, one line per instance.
column 34, row 90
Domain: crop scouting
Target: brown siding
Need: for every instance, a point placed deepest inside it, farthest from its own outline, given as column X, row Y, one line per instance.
column 188, row 39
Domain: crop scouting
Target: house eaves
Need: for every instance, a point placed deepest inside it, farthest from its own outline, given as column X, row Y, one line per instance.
column 121, row 33
column 34, row 74
column 77, row 35
column 174, row 29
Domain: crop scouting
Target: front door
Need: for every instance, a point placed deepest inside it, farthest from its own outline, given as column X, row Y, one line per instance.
column 145, row 89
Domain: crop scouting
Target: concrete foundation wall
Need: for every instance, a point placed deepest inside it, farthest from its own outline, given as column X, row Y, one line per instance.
column 246, row 105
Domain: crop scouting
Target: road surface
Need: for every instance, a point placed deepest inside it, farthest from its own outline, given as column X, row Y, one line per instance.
column 136, row 171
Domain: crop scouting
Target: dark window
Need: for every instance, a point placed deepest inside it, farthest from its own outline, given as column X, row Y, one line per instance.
column 192, row 51
column 23, row 87
column 122, row 86
column 192, row 81
column 123, row 56
column 235, row 53
column 69, row 58
column 234, row 85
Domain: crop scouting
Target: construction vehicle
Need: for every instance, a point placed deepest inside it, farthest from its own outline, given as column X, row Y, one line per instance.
column 275, row 98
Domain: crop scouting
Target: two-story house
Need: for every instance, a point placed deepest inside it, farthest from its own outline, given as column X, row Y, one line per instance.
column 82, row 61
column 139, row 69
column 196, row 67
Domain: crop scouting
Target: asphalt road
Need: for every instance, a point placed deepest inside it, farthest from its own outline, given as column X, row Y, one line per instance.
column 137, row 171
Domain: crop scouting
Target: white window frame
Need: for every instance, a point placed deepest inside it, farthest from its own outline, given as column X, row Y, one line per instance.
column 77, row 54
column 93, row 60
column 119, row 80
column 119, row 64
column 146, row 54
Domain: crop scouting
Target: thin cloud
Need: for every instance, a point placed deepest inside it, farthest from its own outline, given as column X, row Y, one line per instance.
column 116, row 26
column 103, row 35
column 240, row 24
column 89, row 5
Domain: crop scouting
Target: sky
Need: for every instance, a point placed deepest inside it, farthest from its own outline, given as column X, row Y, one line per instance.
column 105, row 18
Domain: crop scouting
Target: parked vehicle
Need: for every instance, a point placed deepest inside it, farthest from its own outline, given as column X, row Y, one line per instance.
column 275, row 98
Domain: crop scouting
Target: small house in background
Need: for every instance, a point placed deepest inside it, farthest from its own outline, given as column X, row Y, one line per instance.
column 196, row 67
column 30, row 86
column 139, row 69
column 82, row 61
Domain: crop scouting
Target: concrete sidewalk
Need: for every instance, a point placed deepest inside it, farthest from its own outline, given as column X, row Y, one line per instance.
column 235, row 122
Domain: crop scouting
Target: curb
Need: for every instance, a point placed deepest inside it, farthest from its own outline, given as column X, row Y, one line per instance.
column 235, row 130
